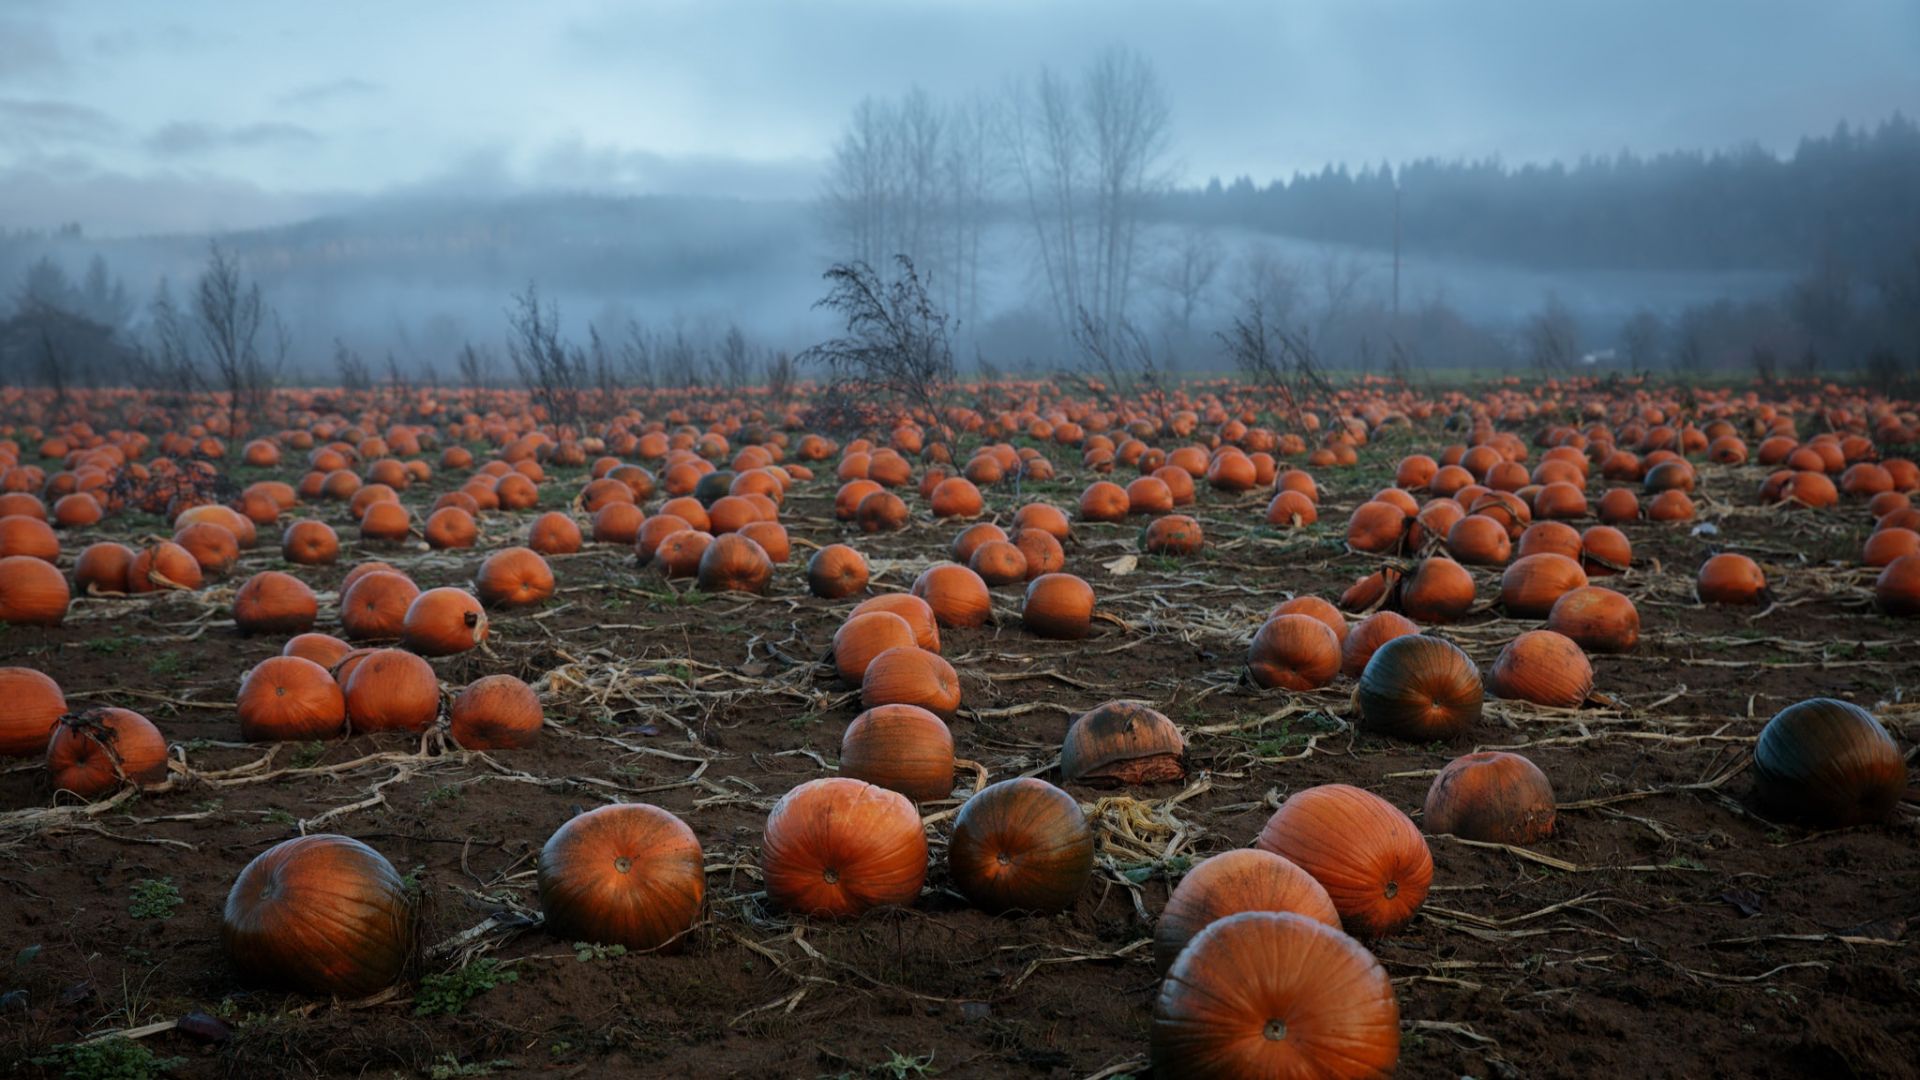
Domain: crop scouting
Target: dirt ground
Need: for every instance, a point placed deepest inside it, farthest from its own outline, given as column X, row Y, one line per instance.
column 1664, row 931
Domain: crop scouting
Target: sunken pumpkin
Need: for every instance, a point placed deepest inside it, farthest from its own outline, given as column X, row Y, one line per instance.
column 1491, row 796
column 1123, row 742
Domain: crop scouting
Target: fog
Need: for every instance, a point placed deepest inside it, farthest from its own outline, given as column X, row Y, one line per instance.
column 1448, row 183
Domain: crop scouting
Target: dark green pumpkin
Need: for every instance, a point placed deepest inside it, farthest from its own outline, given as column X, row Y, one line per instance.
column 713, row 486
column 1828, row 763
column 1420, row 688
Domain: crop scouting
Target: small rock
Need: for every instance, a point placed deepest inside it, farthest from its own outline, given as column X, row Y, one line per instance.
column 207, row 1029
column 972, row 1011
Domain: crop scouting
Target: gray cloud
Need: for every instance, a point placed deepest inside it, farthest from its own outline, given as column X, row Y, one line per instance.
column 28, row 124
column 29, row 49
column 322, row 93
column 114, row 203
column 181, row 139
column 575, row 165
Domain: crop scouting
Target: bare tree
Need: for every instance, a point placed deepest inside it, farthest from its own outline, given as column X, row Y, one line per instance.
column 1276, row 358
column 475, row 363
column 231, row 319
column 349, row 368
column 541, row 358
column 637, row 351
column 779, row 376
column 1640, row 340
column 735, row 360
column 1186, row 274
column 1553, row 338
column 896, row 349
column 1115, row 360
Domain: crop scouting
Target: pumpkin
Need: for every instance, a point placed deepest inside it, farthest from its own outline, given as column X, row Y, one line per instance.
column 32, row 592
column 323, row 649
column 731, row 513
column 1550, row 537
column 1274, row 994
column 1245, row 879
column 678, row 556
column 1368, row 855
column 321, row 913
column 1619, row 506
column 955, row 497
column 1532, row 583
column 164, row 565
column 881, row 511
column 956, row 594
column 392, row 690
column 1545, row 667
column 1376, row 527
column 554, row 533
column 1043, row 553
column 1829, row 763
column 1104, row 500
column 1045, row 517
column 1122, row 742
column 1730, row 578
column 513, row 577
column 274, row 602
column 629, row 874
column 1175, row 534
column 772, row 538
column 1293, row 652
column 1438, row 591
column 864, row 636
column 919, row 616
column 1021, row 845
column 1605, row 550
column 92, row 753
column 1419, row 688
column 386, row 522
column 450, row 527
column 30, row 704
column 376, row 605
column 1317, row 608
column 911, row 675
column 654, row 532
column 497, row 712
column 1058, row 606
column 102, row 568
column 1291, row 510
column 1493, row 797
column 444, row 621
column 1368, row 635
column 214, row 547
column 902, row 748
column 1478, row 540
column 290, row 699
column 836, row 571
column 1896, row 590
column 733, row 563
column 21, row 535
column 998, row 563
column 836, row 847
column 1597, row 619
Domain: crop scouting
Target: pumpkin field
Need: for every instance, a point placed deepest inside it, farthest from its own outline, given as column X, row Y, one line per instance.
column 1506, row 729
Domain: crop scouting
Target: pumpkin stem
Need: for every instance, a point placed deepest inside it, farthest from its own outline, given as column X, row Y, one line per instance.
column 832, row 876
column 1393, row 889
column 1276, row 1030
column 622, row 864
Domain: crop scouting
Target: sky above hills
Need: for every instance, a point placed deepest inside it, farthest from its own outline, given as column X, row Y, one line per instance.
column 137, row 117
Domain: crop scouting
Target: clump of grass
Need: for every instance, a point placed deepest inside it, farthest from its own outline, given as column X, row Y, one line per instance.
column 449, row 993
column 154, row 899
column 108, row 1059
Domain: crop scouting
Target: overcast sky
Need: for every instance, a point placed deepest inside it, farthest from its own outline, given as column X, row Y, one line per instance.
column 184, row 116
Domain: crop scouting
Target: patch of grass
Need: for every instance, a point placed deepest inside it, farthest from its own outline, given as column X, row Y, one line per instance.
column 899, row 1066
column 308, row 754
column 443, row 794
column 277, row 816
column 108, row 1059
column 106, row 645
column 449, row 1067
column 449, row 993
column 588, row 951
column 154, row 899
column 167, row 663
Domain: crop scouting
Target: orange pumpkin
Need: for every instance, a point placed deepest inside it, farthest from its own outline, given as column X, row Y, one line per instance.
column 102, row 568
column 911, row 676
column 629, row 874
column 1544, row 667
column 1317, row 608
column 917, row 612
column 1043, row 553
column 1104, row 500
column 902, row 748
column 324, row 914
column 164, row 565
column 957, row 595
column 1377, row 527
column 310, row 543
column 323, row 649
column 32, row 592
column 1244, row 879
column 93, row 753
column 836, row 571
column 1897, row 589
column 1419, row 688
column 289, row 699
column 513, row 577
column 30, row 704
column 554, row 533
column 1121, row 743
column 1293, row 652
column 1370, row 858
column 1493, row 797
column 1730, row 578
column 1478, row 540
column 1438, row 591
column 1368, row 635
column 1532, row 583
column 442, row 622
column 1045, row 517
column 392, row 690
column 1597, row 619
column 998, row 563
column 733, row 563
column 274, row 602
column 1058, row 606
column 1021, row 845
column 1274, row 994
column 376, row 604
column 497, row 712
column 864, row 636
column 837, row 847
